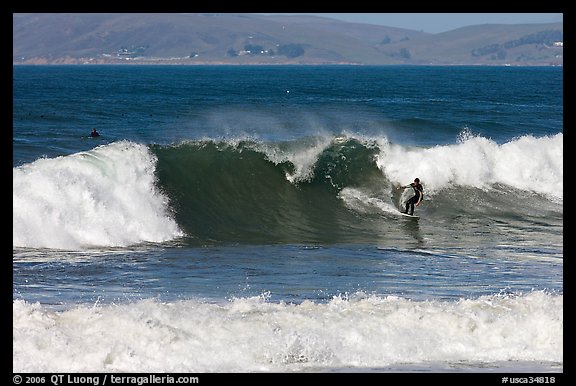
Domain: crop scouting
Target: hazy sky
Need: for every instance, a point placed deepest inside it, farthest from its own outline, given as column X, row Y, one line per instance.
column 440, row 22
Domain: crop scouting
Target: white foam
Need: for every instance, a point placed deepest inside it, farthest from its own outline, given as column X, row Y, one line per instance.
column 364, row 202
column 302, row 155
column 102, row 197
column 526, row 163
column 253, row 334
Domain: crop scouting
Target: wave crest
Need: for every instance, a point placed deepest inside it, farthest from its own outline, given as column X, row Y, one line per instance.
column 103, row 197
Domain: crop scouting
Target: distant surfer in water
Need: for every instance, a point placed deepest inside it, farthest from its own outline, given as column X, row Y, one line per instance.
column 416, row 199
column 94, row 133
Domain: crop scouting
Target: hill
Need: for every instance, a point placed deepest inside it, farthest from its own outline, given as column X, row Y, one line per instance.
column 227, row 38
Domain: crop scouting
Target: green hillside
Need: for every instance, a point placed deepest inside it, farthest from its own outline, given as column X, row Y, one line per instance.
column 257, row 39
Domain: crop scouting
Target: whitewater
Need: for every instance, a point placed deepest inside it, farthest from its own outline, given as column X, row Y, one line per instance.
column 253, row 334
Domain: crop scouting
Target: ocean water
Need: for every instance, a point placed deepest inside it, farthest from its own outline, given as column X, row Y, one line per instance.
column 246, row 219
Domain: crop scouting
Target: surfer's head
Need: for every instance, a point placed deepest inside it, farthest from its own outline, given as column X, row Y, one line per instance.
column 417, row 180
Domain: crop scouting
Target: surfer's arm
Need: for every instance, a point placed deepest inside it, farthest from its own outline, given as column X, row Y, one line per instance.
column 421, row 196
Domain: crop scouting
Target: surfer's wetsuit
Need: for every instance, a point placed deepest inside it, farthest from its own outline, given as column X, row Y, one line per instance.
column 418, row 194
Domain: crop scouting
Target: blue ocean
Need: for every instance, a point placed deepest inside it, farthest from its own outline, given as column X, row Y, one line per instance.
column 233, row 219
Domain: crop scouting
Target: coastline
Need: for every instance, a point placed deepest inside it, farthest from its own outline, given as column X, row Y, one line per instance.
column 170, row 62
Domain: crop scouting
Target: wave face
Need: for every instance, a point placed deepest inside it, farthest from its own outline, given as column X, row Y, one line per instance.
column 253, row 334
column 326, row 189
column 248, row 191
column 315, row 189
column 103, row 197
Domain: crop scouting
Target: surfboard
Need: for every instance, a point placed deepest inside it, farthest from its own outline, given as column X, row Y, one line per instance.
column 408, row 215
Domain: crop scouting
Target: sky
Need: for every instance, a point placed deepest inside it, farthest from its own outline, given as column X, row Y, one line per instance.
column 441, row 22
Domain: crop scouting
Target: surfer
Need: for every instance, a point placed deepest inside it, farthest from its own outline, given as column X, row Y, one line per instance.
column 416, row 199
column 94, row 133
